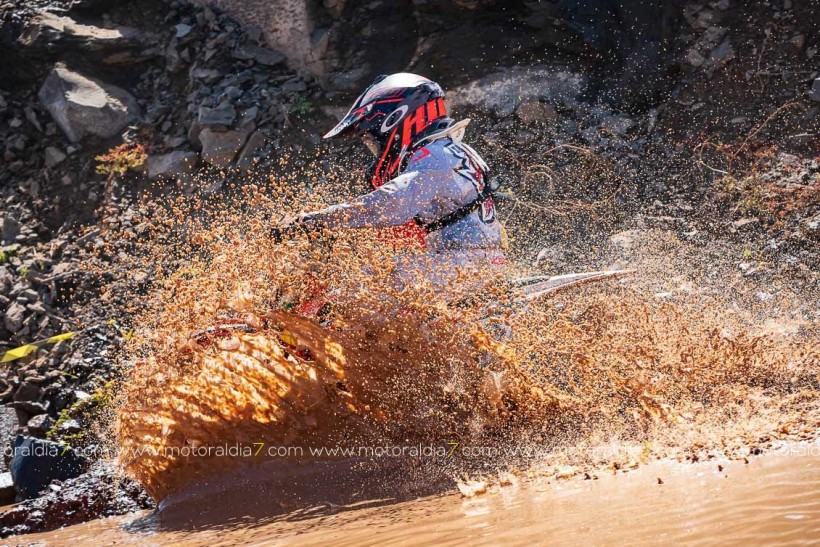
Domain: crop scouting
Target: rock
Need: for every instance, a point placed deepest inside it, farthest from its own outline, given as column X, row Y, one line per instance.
column 261, row 55
column 87, row 238
column 223, row 115
column 29, row 294
column 31, row 116
column 173, row 59
column 183, row 30
column 70, row 426
column 248, row 119
column 48, row 29
column 255, row 145
column 14, row 317
column 193, row 135
column 28, row 392
column 502, row 92
column 618, row 125
column 31, row 408
column 39, row 425
column 694, row 58
column 99, row 493
column 37, row 462
column 208, row 75
column 82, row 106
column 9, row 229
column 54, row 156
column 814, row 94
column 721, row 55
column 172, row 164
column 7, row 492
column 220, row 148
column 534, row 112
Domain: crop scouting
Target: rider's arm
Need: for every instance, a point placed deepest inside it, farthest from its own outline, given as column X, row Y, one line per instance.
column 392, row 204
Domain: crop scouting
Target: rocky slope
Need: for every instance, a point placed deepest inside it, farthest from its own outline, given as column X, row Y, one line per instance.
column 705, row 124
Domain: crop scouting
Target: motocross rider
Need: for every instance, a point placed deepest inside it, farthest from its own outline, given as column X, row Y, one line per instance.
column 431, row 190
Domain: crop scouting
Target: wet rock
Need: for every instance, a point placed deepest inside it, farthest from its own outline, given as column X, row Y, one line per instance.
column 82, row 106
column 98, row 493
column 37, row 462
column 54, row 156
column 14, row 317
column 261, row 55
column 220, row 148
column 172, row 164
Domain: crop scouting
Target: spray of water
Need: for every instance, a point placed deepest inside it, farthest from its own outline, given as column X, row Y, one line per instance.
column 334, row 351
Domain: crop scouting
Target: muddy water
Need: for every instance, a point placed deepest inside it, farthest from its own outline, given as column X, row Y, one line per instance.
column 773, row 499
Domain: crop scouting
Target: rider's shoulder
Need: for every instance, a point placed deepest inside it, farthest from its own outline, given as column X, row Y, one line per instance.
column 434, row 155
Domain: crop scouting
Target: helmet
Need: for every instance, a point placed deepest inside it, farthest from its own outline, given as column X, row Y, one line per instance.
column 390, row 116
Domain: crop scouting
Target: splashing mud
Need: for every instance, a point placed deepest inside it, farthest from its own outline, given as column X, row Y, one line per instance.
column 295, row 350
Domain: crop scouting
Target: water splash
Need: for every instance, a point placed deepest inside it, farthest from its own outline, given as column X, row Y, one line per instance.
column 402, row 364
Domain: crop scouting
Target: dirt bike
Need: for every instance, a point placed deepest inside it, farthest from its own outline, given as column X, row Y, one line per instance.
column 523, row 291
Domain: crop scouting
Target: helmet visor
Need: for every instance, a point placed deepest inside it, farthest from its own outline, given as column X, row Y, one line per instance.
column 350, row 119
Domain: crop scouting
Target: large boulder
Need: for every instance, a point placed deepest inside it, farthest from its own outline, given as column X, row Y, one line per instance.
column 37, row 462
column 85, row 107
